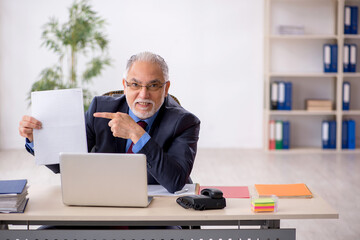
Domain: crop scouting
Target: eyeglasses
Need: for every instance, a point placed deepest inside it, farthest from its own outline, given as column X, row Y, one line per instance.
column 151, row 87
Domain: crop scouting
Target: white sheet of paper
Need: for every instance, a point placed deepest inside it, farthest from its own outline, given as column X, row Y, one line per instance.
column 61, row 113
column 158, row 190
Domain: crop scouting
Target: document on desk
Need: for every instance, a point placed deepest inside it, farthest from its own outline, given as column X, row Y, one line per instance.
column 158, row 190
column 61, row 113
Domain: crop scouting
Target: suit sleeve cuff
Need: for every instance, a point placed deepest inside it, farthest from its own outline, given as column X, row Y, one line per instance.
column 141, row 143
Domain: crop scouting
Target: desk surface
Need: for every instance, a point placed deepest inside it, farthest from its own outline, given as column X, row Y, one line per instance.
column 45, row 204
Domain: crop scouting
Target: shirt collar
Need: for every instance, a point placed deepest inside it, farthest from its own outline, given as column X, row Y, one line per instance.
column 149, row 120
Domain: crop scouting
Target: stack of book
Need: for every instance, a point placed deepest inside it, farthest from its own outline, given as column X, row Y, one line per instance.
column 281, row 95
column 263, row 205
column 318, row 105
column 279, row 134
column 13, row 196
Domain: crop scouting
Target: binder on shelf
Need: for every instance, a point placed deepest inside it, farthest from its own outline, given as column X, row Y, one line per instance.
column 351, row 134
column 330, row 58
column 332, row 134
column 271, row 134
column 278, row 135
column 281, row 96
column 334, row 57
column 325, row 134
column 354, row 20
column 346, row 58
column 286, row 135
column 274, row 96
column 327, row 58
column 288, row 96
column 344, row 135
column 353, row 58
column 346, row 96
column 347, row 20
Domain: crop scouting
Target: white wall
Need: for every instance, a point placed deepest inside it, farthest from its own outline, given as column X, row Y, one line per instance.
column 214, row 49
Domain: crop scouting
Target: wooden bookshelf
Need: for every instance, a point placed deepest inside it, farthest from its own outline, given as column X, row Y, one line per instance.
column 299, row 59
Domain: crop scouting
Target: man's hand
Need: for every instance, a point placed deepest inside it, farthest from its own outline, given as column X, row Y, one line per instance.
column 27, row 125
column 122, row 125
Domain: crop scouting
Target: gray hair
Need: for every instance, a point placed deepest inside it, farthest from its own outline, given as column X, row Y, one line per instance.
column 148, row 57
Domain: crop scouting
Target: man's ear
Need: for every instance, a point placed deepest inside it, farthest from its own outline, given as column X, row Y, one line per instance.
column 167, row 86
column 124, row 85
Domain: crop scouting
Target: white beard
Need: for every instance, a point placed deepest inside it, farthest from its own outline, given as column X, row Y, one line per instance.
column 148, row 114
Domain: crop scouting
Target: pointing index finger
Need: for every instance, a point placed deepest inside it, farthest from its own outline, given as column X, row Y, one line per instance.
column 107, row 115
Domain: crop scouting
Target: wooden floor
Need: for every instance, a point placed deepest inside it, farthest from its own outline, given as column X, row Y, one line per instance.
column 334, row 176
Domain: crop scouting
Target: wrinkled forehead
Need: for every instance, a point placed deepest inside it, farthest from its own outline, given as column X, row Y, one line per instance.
column 145, row 72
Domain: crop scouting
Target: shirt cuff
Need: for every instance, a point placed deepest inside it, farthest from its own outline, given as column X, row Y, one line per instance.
column 29, row 146
column 141, row 143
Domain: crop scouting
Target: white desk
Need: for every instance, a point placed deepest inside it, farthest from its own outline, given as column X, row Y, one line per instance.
column 45, row 207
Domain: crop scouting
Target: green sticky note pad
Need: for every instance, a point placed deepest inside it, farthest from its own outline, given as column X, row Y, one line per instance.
column 263, row 201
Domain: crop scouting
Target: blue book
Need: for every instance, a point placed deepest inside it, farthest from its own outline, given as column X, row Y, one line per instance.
column 327, row 57
column 346, row 96
column 354, row 20
column 344, row 135
column 286, row 135
column 347, row 20
column 353, row 58
column 346, row 58
column 288, row 96
column 281, row 96
column 12, row 186
column 332, row 134
column 334, row 58
column 351, row 134
column 325, row 134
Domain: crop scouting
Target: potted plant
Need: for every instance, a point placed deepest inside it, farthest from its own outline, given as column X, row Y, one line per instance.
column 80, row 38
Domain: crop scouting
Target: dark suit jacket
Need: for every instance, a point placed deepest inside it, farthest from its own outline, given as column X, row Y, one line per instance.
column 171, row 150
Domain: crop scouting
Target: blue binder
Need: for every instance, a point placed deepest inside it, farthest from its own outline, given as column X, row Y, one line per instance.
column 354, row 20
column 346, row 58
column 353, row 58
column 346, row 96
column 281, row 96
column 351, row 134
column 325, row 134
column 332, row 134
column 327, row 57
column 286, row 134
column 344, row 135
column 347, row 20
column 288, row 96
column 334, row 58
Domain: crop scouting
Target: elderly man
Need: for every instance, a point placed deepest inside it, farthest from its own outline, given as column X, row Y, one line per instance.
column 145, row 120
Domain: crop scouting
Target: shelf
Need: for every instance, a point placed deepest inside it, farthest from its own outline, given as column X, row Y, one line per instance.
column 304, row 37
column 355, row 74
column 351, row 112
column 299, row 60
column 351, row 36
column 305, row 75
column 301, row 112
column 312, row 150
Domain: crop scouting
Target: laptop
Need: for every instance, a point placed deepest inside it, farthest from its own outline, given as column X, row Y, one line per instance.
column 104, row 179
